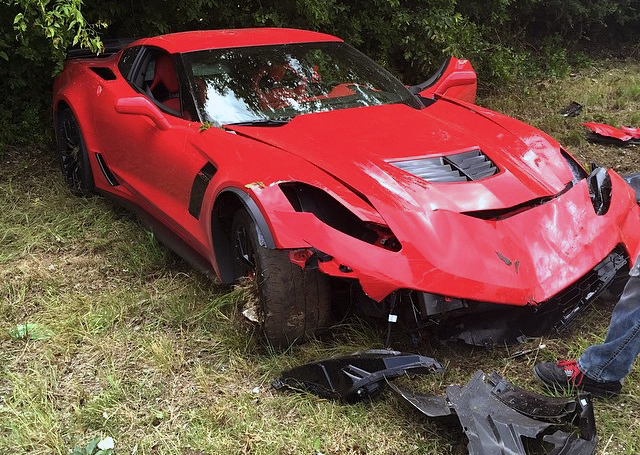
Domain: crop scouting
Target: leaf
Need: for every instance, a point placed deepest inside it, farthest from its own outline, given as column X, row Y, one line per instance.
column 92, row 445
column 30, row 332
column 205, row 126
column 4, row 56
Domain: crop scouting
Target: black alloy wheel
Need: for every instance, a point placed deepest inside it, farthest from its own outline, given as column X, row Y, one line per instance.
column 72, row 154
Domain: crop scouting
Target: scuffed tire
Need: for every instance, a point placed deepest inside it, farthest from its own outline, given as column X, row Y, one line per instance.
column 72, row 154
column 294, row 303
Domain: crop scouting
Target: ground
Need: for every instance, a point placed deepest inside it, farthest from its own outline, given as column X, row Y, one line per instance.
column 127, row 341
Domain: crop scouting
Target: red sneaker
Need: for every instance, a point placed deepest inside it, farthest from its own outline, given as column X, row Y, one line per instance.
column 565, row 375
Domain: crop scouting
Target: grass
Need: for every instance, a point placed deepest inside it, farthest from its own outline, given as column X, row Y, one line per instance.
column 141, row 348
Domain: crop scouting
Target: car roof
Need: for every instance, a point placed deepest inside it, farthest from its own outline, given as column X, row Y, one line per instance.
column 219, row 39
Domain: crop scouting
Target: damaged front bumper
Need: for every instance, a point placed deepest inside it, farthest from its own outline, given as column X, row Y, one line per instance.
column 487, row 324
column 533, row 272
column 495, row 416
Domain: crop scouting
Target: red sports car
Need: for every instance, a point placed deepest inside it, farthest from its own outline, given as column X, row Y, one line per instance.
column 290, row 157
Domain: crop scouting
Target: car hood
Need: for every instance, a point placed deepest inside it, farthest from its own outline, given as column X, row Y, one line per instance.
column 524, row 256
column 359, row 145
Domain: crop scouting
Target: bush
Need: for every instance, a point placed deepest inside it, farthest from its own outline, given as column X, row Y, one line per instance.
column 505, row 39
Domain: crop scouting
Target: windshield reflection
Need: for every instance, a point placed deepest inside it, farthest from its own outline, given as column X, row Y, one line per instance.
column 257, row 84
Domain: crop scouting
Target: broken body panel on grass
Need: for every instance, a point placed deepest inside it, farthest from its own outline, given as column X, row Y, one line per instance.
column 608, row 134
column 495, row 415
column 357, row 376
column 498, row 417
column 341, row 171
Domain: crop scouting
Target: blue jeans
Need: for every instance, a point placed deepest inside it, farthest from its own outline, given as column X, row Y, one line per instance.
column 613, row 359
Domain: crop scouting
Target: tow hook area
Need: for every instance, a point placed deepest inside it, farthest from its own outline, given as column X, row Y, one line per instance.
column 495, row 415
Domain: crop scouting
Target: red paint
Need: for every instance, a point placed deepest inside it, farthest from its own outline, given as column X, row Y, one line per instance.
column 348, row 153
column 625, row 133
column 457, row 81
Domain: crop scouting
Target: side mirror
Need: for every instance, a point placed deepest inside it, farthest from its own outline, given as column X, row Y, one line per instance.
column 139, row 105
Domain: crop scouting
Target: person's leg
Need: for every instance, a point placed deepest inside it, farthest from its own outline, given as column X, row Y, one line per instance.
column 613, row 359
column 602, row 367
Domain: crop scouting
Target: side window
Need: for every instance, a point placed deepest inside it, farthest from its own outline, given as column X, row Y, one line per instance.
column 126, row 61
column 156, row 76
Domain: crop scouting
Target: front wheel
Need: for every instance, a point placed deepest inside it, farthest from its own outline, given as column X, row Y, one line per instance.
column 294, row 304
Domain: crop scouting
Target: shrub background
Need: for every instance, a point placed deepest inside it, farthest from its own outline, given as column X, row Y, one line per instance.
column 505, row 39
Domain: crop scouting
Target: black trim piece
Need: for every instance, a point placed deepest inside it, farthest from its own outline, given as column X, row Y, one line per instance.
column 355, row 377
column 258, row 218
column 199, row 187
column 111, row 47
column 602, row 139
column 104, row 73
column 416, row 89
column 111, row 179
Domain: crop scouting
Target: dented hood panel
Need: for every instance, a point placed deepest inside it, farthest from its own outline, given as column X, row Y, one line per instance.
column 530, row 163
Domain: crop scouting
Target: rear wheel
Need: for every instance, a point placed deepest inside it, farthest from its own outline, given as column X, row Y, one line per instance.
column 294, row 304
column 72, row 154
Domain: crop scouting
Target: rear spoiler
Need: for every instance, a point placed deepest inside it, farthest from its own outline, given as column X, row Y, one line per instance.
column 111, row 46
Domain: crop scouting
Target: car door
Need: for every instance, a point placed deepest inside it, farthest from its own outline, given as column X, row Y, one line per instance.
column 144, row 128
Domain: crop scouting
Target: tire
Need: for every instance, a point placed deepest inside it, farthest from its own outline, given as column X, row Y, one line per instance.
column 294, row 304
column 72, row 154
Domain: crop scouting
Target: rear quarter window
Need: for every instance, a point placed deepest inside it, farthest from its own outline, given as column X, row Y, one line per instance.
column 127, row 60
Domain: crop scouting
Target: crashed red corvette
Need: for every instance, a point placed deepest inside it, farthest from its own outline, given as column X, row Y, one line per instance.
column 289, row 157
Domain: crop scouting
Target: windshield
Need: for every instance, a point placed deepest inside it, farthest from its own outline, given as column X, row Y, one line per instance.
column 276, row 83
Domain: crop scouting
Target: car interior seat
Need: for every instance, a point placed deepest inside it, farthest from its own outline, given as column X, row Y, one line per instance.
column 165, row 86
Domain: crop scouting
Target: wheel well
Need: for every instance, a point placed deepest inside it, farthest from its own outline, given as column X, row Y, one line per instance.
column 62, row 105
column 227, row 204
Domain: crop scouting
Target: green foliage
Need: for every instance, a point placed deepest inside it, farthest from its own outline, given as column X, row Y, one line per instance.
column 93, row 447
column 61, row 22
column 505, row 39
column 34, row 36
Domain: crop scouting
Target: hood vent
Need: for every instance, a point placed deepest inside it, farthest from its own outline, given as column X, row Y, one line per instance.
column 460, row 167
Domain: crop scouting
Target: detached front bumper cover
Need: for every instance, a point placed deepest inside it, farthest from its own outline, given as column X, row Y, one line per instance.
column 496, row 416
column 500, row 418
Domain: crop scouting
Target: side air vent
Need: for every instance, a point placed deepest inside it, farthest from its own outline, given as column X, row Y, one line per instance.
column 460, row 167
column 104, row 73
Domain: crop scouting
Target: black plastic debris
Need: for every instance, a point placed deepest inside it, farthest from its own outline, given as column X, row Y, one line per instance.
column 500, row 418
column 572, row 109
column 357, row 376
column 634, row 182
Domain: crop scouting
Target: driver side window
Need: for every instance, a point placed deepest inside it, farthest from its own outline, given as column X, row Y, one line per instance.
column 157, row 77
